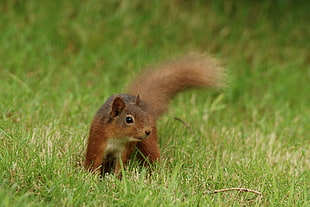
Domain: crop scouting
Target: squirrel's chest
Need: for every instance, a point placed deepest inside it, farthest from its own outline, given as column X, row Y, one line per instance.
column 116, row 147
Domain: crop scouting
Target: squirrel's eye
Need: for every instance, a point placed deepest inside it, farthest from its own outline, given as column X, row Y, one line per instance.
column 129, row 119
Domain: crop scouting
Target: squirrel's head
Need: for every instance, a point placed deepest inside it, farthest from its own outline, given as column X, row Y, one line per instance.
column 128, row 119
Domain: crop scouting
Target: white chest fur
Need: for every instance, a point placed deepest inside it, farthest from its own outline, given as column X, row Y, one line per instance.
column 116, row 146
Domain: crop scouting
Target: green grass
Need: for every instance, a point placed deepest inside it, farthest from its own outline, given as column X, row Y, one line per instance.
column 60, row 60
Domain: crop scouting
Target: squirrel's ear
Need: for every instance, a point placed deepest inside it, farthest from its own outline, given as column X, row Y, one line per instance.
column 138, row 100
column 117, row 106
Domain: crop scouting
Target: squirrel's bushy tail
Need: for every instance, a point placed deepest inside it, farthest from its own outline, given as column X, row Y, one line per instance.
column 157, row 86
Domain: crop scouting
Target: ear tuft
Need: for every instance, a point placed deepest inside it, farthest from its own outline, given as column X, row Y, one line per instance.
column 138, row 100
column 117, row 106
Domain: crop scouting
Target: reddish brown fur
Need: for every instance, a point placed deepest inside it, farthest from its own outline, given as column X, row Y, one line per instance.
column 168, row 79
column 112, row 138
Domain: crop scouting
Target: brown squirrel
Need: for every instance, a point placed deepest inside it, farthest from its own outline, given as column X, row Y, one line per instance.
column 128, row 121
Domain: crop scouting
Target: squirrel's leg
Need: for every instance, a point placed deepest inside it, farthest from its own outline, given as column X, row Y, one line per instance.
column 95, row 153
column 149, row 149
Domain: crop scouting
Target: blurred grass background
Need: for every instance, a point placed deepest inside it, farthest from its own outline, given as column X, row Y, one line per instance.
column 59, row 61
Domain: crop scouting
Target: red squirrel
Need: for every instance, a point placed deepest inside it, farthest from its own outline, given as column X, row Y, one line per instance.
column 126, row 122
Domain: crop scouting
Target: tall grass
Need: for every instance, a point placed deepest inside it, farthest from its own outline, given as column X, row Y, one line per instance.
column 60, row 60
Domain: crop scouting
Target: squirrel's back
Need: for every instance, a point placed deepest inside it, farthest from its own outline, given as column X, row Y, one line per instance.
column 157, row 87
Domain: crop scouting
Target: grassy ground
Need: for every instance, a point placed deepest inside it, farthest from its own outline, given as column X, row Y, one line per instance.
column 59, row 61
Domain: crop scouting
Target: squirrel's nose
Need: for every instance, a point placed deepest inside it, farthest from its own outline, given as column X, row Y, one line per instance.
column 147, row 131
